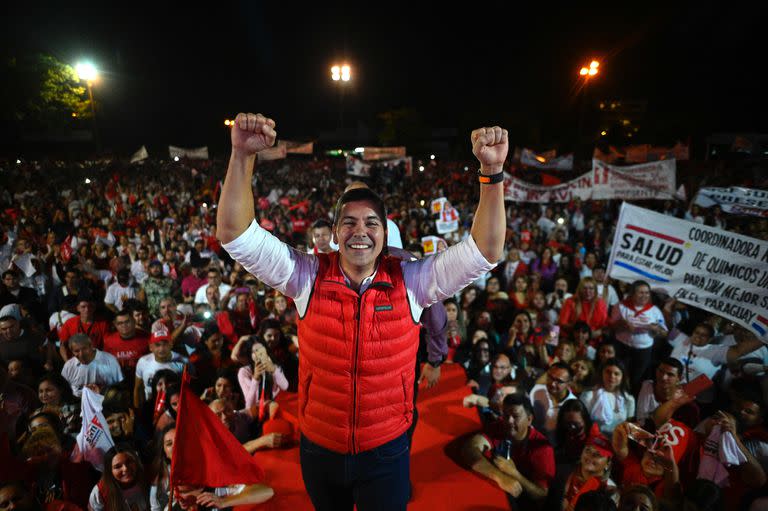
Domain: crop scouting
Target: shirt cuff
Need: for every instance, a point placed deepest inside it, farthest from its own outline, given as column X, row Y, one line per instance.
column 243, row 239
column 478, row 256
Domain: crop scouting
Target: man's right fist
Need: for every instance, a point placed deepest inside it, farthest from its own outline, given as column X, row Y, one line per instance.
column 252, row 133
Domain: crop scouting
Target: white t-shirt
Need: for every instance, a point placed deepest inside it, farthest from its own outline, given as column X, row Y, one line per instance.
column 200, row 294
column 613, row 297
column 545, row 411
column 117, row 295
column 103, row 370
column 641, row 339
column 646, row 401
column 147, row 366
column 135, row 499
column 698, row 359
column 58, row 319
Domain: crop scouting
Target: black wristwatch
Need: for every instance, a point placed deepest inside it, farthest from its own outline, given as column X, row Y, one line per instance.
column 437, row 363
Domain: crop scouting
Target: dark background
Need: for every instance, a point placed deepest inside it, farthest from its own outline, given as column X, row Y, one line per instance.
column 171, row 74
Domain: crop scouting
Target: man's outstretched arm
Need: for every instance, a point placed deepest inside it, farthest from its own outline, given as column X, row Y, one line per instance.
column 251, row 133
column 490, row 146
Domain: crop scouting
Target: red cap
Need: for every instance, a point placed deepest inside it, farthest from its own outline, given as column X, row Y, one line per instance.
column 159, row 335
column 598, row 441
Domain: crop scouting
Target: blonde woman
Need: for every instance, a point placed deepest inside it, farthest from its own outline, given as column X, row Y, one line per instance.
column 585, row 306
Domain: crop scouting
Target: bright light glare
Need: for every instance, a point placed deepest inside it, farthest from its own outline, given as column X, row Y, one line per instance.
column 592, row 71
column 603, row 133
column 583, row 71
column 594, row 64
column 431, row 156
column 227, row 122
column 175, row 158
column 466, row 169
column 335, row 73
column 86, row 71
column 541, row 159
column 359, row 149
column 421, row 168
column 560, row 221
column 346, row 73
column 18, row 162
column 87, row 181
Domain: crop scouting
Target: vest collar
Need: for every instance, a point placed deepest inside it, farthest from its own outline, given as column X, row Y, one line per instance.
column 379, row 278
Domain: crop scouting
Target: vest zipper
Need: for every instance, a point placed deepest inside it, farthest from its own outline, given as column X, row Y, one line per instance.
column 354, row 372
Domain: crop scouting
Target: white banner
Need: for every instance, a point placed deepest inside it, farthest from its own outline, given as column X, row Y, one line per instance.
column 735, row 200
column 139, row 155
column 94, row 439
column 448, row 217
column 198, row 153
column 383, row 153
column 654, row 180
column 519, row 191
column 357, row 168
column 546, row 160
column 709, row 268
column 277, row 152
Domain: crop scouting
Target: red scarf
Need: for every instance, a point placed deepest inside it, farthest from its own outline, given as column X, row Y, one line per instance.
column 631, row 306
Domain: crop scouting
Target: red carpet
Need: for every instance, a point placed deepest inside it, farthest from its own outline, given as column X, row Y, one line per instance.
column 438, row 482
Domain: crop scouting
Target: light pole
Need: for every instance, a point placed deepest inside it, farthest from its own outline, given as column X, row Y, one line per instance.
column 342, row 74
column 87, row 71
column 587, row 73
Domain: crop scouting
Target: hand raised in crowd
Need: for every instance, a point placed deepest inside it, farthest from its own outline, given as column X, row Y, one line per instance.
column 490, row 146
column 252, row 133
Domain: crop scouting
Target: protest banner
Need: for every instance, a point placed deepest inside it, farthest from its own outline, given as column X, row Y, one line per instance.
column 298, row 147
column 433, row 244
column 735, row 200
column 140, row 155
column 357, row 168
column 709, row 268
column 383, row 153
column 517, row 190
column 654, row 180
column 198, row 153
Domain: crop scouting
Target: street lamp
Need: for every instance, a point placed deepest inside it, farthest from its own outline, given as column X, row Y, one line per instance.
column 587, row 72
column 341, row 73
column 87, row 71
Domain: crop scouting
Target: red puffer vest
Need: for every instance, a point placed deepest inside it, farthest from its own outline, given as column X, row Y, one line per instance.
column 358, row 351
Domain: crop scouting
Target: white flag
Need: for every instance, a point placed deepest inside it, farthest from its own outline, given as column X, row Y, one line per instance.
column 139, row 155
column 94, row 439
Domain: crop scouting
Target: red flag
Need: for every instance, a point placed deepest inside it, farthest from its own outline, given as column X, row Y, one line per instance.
column 66, row 249
column 205, row 452
column 159, row 406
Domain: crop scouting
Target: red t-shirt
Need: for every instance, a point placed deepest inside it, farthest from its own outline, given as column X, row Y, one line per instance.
column 534, row 457
column 96, row 330
column 597, row 320
column 127, row 351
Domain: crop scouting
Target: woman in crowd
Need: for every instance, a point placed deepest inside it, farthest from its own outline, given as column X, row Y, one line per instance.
column 511, row 268
column 583, row 374
column 610, row 403
column 573, row 427
column 261, row 379
column 519, row 296
column 456, row 329
column 122, row 486
column 547, row 268
column 210, row 356
column 55, row 395
column 592, row 472
column 636, row 322
column 585, row 306
column 161, row 468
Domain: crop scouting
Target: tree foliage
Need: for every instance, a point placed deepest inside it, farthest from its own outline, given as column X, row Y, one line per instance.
column 39, row 90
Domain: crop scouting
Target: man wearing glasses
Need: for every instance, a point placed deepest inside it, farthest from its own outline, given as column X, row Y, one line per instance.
column 214, row 279
column 548, row 398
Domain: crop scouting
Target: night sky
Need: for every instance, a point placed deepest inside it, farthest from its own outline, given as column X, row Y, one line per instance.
column 173, row 74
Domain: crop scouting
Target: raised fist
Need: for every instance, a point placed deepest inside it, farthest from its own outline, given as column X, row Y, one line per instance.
column 490, row 146
column 252, row 133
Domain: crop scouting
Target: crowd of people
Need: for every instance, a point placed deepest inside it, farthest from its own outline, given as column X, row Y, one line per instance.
column 588, row 390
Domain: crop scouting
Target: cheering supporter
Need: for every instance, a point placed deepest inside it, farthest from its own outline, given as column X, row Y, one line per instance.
column 90, row 366
column 585, row 306
column 610, row 402
column 86, row 323
column 592, row 471
column 149, row 218
column 161, row 357
column 122, row 485
column 637, row 322
column 55, row 395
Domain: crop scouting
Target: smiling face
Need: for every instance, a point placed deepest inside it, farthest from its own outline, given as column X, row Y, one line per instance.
column 124, row 469
column 360, row 234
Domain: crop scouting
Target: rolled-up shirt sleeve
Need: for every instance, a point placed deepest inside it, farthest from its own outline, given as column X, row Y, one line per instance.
column 273, row 262
column 441, row 276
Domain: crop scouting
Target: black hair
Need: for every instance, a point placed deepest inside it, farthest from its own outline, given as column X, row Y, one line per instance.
column 518, row 399
column 572, row 405
column 359, row 195
column 673, row 362
column 320, row 223
column 563, row 366
column 596, row 500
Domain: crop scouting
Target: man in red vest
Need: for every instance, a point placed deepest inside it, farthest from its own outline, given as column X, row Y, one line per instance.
column 359, row 315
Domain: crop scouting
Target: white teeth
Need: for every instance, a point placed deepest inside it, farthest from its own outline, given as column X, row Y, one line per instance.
column 359, row 246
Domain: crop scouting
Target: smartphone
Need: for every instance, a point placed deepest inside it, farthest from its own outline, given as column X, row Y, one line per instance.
column 554, row 335
column 697, row 385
